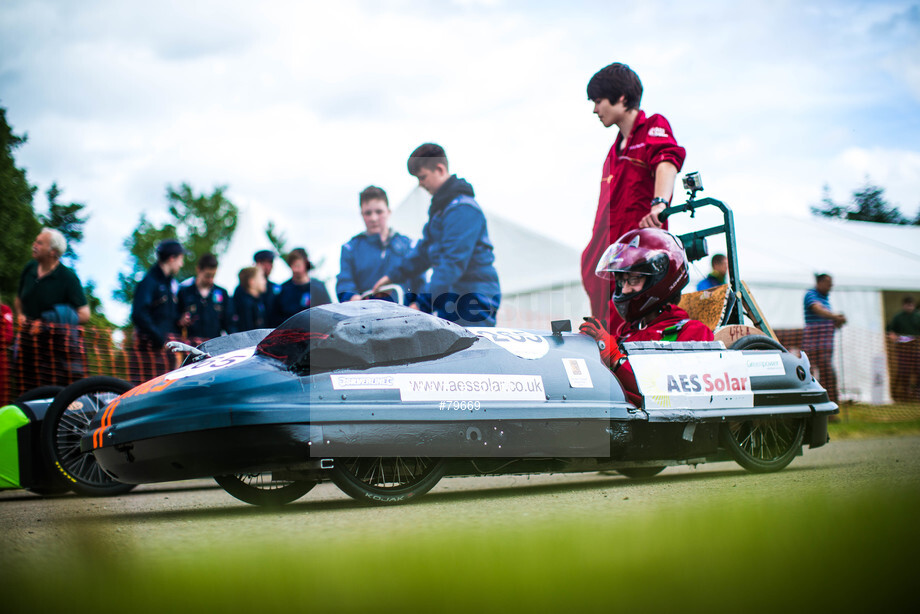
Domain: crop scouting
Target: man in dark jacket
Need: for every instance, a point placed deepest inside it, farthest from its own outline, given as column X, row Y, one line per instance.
column 455, row 245
column 154, row 313
column 265, row 260
column 369, row 255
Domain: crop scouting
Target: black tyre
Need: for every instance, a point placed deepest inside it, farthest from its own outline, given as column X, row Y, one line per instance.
column 42, row 392
column 387, row 481
column 66, row 422
column 758, row 342
column 763, row 445
column 262, row 489
column 640, row 473
column 768, row 444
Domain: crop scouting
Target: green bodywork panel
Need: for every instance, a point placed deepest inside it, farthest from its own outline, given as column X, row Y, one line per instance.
column 11, row 418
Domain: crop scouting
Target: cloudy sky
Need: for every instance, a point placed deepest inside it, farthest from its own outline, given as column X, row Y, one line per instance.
column 297, row 106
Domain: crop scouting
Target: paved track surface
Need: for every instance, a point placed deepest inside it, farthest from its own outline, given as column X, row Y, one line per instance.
column 169, row 517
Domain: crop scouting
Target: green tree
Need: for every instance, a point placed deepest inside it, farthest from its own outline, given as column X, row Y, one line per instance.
column 277, row 239
column 868, row 205
column 202, row 223
column 17, row 215
column 65, row 218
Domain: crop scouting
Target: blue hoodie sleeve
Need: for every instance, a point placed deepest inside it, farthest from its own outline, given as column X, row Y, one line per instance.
column 345, row 286
column 464, row 224
column 414, row 264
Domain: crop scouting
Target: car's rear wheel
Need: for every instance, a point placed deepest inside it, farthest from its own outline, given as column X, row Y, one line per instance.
column 640, row 473
column 262, row 489
column 762, row 445
column 387, row 481
column 66, row 422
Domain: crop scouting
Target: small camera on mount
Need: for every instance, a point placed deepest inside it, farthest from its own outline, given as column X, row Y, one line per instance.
column 693, row 182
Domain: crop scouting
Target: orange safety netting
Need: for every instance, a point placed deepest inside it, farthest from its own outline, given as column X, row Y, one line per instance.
column 44, row 354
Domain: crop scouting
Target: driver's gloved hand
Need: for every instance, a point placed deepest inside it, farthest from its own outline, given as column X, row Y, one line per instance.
column 606, row 343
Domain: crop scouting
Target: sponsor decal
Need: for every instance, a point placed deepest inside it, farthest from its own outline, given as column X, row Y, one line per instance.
column 658, row 131
column 220, row 361
column 363, row 382
column 693, row 380
column 490, row 387
column 577, row 370
column 765, row 364
column 521, row 343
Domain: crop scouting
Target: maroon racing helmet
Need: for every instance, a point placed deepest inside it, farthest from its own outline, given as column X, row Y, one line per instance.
column 654, row 253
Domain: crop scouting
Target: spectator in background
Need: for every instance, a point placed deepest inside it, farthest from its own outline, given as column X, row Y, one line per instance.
column 154, row 313
column 206, row 309
column 49, row 305
column 48, row 290
column 638, row 174
column 818, row 337
column 367, row 256
column 299, row 292
column 265, row 260
column 904, row 332
column 905, row 323
column 247, row 300
column 455, row 245
column 718, row 274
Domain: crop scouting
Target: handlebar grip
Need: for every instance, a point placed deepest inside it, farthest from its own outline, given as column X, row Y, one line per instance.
column 666, row 213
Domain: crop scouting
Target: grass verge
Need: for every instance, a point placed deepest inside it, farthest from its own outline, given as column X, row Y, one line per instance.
column 863, row 421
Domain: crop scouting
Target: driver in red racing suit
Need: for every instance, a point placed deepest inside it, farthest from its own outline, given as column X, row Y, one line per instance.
column 649, row 268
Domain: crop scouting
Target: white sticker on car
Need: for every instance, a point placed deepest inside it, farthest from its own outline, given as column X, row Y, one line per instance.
column 221, row 361
column 765, row 364
column 693, row 380
column 521, row 343
column 577, row 370
column 468, row 387
column 363, row 382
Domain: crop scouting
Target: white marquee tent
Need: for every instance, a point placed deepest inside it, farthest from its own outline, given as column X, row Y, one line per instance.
column 873, row 266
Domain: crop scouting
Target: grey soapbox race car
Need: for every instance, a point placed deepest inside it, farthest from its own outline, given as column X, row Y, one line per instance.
column 385, row 401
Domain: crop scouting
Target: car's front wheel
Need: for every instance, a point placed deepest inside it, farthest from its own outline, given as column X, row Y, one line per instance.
column 66, row 422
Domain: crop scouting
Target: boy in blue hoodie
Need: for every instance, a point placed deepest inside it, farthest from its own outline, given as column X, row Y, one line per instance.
column 455, row 245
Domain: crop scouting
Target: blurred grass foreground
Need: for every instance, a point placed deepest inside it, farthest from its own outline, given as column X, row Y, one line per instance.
column 816, row 553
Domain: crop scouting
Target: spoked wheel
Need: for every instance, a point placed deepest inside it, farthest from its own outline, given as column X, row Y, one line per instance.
column 640, row 473
column 66, row 422
column 763, row 445
column 387, row 480
column 262, row 489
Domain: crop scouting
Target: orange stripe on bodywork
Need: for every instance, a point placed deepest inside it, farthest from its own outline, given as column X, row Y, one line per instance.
column 155, row 385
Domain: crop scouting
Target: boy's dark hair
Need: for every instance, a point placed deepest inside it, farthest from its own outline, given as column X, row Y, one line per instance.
column 718, row 259
column 207, row 261
column 372, row 192
column 426, row 156
column 298, row 253
column 908, row 300
column 169, row 248
column 819, row 277
column 613, row 81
